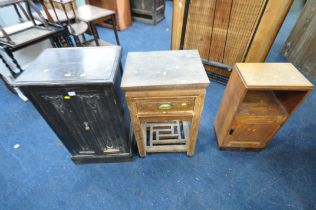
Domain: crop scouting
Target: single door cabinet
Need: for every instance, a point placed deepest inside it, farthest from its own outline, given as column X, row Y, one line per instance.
column 258, row 100
column 77, row 92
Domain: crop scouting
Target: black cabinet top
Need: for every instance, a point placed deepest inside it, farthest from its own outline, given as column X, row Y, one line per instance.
column 63, row 66
column 164, row 70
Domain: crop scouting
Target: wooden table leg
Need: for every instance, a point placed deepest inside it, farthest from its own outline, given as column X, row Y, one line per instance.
column 115, row 30
column 137, row 128
column 194, row 128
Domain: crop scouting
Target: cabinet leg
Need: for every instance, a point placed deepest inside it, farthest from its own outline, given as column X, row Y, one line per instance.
column 195, row 124
column 137, row 128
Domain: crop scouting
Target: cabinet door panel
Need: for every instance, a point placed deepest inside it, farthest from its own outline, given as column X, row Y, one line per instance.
column 97, row 109
column 252, row 133
column 60, row 114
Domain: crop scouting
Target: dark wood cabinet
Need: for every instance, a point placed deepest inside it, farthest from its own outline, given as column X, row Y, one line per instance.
column 78, row 93
column 121, row 8
column 148, row 11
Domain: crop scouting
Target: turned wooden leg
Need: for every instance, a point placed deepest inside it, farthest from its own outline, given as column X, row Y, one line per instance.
column 10, row 54
column 8, row 66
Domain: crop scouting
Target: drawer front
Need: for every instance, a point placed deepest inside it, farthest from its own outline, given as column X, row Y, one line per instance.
column 164, row 105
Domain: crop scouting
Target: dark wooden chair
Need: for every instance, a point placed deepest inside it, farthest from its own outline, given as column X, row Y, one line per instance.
column 25, row 33
column 89, row 14
column 77, row 27
column 28, row 31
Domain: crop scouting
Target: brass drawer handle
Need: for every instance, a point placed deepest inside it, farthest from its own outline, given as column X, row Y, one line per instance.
column 165, row 106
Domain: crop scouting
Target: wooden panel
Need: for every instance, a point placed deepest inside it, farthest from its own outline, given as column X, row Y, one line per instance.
column 268, row 29
column 229, row 31
column 252, row 132
column 263, row 103
column 233, row 96
column 78, row 123
column 300, row 47
column 177, row 23
column 291, row 100
column 220, row 30
column 243, row 21
column 199, row 26
column 272, row 76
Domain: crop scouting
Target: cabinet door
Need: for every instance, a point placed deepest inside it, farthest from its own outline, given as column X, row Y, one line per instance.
column 102, row 118
column 59, row 112
column 252, row 133
column 87, row 121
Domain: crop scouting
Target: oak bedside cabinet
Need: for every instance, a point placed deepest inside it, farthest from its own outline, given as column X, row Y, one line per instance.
column 77, row 91
column 258, row 100
column 165, row 93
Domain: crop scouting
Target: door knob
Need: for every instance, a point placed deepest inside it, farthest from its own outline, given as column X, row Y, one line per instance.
column 86, row 126
column 231, row 131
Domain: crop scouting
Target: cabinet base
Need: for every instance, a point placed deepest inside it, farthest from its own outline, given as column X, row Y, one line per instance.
column 81, row 159
column 227, row 148
column 240, row 149
column 148, row 20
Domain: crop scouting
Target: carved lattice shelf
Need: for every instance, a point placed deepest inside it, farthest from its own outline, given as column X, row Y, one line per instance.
column 162, row 136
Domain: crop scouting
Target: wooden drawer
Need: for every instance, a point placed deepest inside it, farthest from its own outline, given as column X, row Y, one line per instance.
column 165, row 105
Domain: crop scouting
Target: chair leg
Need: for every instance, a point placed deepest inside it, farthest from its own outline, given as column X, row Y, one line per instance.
column 115, row 30
column 94, row 32
column 10, row 54
column 84, row 38
column 7, row 84
column 77, row 40
column 8, row 66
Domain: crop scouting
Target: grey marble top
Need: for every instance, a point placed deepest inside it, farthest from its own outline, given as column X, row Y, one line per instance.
column 72, row 66
column 164, row 70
